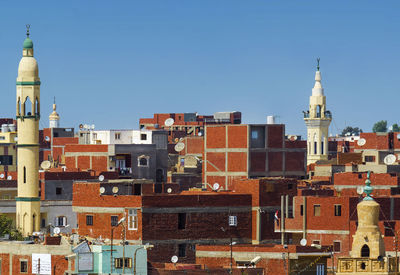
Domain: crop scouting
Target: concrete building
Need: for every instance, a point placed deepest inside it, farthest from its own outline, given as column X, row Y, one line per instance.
column 8, row 151
column 317, row 120
column 28, row 115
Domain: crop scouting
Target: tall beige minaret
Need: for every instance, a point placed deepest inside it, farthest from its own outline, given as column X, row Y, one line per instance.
column 28, row 115
column 317, row 120
column 54, row 118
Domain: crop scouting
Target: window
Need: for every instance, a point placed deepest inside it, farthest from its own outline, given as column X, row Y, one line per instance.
column 317, row 210
column 58, row 190
column 43, row 223
column 232, row 220
column 322, row 147
column 315, row 147
column 114, row 220
column 338, row 210
column 336, row 246
column 318, row 242
column 182, row 250
column 6, row 160
column 119, row 262
column 143, row 161
column 23, row 266
column 89, row 220
column 24, row 174
column 94, row 136
column 254, row 134
column 143, row 136
column 301, row 210
column 369, row 158
column 60, row 221
column 365, row 251
column 181, row 220
column 132, row 219
column 117, row 135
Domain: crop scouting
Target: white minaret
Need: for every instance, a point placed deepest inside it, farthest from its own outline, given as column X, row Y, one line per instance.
column 54, row 118
column 317, row 120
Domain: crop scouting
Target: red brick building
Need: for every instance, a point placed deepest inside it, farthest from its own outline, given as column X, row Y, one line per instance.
column 173, row 223
column 250, row 151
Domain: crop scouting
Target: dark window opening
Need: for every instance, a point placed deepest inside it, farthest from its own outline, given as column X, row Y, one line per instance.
column 23, row 266
column 58, row 190
column 338, row 210
column 336, row 246
column 24, row 174
column 182, row 250
column 181, row 220
column 360, row 176
column 369, row 158
column 316, row 242
column 143, row 136
column 322, row 148
column 114, row 220
column 137, row 189
column 301, row 210
column 365, row 251
column 318, row 110
column 315, row 147
column 363, row 266
column 89, row 220
column 290, row 186
column 6, row 160
column 43, row 225
column 143, row 162
column 158, row 188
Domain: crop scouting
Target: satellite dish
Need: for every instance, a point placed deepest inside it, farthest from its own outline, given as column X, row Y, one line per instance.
column 361, row 142
column 389, row 159
column 45, row 165
column 16, row 139
column 174, row 259
column 102, row 190
column 1, row 176
column 169, row 190
column 101, row 177
column 360, row 190
column 115, row 189
column 85, row 126
column 9, row 177
column 179, row 146
column 200, row 134
column 292, row 137
column 92, row 127
column 56, row 230
column 47, row 138
column 303, row 242
column 80, row 126
column 169, row 122
column 398, row 136
column 216, row 186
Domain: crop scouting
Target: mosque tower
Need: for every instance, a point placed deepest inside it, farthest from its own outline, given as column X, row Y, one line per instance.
column 317, row 120
column 54, row 118
column 28, row 115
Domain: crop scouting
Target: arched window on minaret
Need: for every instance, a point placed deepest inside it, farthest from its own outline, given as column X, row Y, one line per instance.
column 19, row 107
column 365, row 251
column 28, row 107
column 37, row 106
column 318, row 111
column 315, row 144
column 322, row 144
column 24, row 174
column 33, row 222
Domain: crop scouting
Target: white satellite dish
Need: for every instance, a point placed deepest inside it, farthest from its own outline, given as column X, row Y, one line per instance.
column 115, row 189
column 47, row 138
column 56, row 230
column 360, row 190
column 169, row 190
column 169, row 122
column 216, row 186
column 9, row 177
column 398, row 136
column 85, row 126
column 92, row 127
column 361, row 142
column 200, row 134
column 16, row 139
column 102, row 190
column 389, row 159
column 45, row 165
column 179, row 146
column 174, row 259
column 303, row 242
column 1, row 176
column 101, row 177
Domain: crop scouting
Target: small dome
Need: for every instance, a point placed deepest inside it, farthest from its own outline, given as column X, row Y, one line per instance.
column 28, row 68
column 28, row 44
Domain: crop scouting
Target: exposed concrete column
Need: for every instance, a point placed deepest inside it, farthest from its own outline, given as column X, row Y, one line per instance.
column 282, row 220
column 304, row 217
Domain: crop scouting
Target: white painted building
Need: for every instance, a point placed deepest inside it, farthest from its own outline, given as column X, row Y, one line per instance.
column 120, row 136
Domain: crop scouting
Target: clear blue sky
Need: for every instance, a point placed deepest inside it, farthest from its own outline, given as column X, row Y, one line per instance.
column 112, row 62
